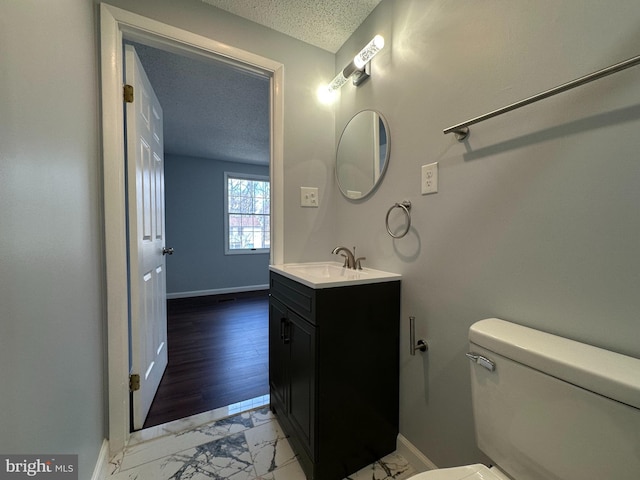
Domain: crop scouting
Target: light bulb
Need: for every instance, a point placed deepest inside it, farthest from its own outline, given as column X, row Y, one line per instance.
column 337, row 82
column 368, row 52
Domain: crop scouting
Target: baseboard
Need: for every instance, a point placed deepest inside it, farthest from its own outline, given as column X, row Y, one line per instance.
column 415, row 457
column 100, row 472
column 216, row 291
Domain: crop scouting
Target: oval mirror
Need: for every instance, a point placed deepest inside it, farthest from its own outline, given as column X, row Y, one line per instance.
column 363, row 154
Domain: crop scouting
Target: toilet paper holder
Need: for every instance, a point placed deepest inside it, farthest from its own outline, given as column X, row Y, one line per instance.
column 413, row 345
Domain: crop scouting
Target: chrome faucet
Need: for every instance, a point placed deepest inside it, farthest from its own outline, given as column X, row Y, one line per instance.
column 350, row 261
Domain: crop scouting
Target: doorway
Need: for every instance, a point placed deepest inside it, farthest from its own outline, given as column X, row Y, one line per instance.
column 216, row 121
column 116, row 24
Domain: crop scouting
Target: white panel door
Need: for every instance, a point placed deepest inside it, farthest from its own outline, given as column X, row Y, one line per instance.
column 145, row 178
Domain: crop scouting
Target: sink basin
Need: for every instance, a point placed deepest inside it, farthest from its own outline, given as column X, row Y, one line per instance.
column 331, row 274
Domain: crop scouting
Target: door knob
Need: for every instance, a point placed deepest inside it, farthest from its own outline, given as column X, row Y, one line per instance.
column 167, row 251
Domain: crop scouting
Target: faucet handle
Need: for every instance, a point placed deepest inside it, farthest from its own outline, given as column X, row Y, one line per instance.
column 346, row 260
column 357, row 266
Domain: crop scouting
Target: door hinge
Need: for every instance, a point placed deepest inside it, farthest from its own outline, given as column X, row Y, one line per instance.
column 128, row 93
column 134, row 382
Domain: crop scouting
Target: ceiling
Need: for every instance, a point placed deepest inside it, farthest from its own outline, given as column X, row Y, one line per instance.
column 211, row 109
column 324, row 23
column 219, row 111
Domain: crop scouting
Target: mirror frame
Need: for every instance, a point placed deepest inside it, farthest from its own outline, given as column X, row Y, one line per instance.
column 387, row 157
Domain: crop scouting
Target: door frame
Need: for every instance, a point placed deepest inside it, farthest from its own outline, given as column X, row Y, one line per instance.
column 114, row 24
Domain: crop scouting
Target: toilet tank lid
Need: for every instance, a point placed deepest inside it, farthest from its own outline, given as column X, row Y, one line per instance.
column 601, row 371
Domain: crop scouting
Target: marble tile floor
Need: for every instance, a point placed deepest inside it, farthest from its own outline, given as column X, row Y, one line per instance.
column 238, row 446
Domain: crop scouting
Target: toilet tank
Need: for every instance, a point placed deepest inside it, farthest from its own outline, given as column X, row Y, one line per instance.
column 553, row 408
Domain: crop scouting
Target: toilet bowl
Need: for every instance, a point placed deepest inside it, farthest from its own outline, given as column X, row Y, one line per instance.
column 542, row 405
column 467, row 472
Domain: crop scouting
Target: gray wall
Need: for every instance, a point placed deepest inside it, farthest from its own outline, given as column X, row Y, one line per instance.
column 536, row 220
column 52, row 396
column 194, row 189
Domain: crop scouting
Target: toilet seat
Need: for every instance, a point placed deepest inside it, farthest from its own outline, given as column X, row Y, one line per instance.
column 467, row 472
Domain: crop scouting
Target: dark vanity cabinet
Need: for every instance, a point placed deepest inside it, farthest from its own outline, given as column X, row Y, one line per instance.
column 333, row 372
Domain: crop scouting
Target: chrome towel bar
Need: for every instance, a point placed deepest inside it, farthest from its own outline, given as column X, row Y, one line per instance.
column 461, row 130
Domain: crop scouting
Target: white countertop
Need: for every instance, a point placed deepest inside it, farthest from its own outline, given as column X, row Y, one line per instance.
column 331, row 274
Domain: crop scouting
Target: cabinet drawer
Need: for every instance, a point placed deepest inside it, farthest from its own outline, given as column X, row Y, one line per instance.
column 296, row 296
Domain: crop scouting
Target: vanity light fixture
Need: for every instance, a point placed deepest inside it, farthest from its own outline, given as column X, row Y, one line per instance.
column 358, row 68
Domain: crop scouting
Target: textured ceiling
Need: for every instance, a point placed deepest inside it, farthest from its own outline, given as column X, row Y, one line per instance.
column 211, row 109
column 324, row 23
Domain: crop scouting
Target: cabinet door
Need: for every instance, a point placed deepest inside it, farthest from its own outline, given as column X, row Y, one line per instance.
column 278, row 354
column 302, row 377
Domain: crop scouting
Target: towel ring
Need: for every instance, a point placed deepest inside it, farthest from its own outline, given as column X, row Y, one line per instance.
column 406, row 208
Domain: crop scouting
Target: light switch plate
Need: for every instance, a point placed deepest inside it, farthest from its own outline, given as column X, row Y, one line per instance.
column 308, row 196
column 430, row 178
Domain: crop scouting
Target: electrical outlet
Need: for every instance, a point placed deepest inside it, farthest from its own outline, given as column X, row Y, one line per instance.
column 308, row 196
column 430, row 178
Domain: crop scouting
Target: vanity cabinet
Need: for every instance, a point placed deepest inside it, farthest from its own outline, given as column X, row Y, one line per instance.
column 333, row 372
column 292, row 370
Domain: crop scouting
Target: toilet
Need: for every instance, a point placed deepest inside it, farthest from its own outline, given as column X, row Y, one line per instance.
column 549, row 408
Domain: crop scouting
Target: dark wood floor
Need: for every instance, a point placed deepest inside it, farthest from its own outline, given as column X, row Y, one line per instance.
column 218, row 354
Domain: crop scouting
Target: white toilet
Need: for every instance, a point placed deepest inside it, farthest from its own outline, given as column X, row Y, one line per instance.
column 549, row 408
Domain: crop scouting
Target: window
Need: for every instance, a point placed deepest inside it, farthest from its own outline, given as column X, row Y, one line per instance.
column 247, row 208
